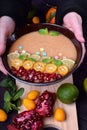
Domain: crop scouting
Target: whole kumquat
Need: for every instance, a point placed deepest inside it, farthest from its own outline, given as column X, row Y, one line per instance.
column 33, row 94
column 59, row 114
column 35, row 20
column 29, row 104
column 3, row 115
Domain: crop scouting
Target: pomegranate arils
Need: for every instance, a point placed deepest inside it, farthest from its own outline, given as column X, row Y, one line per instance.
column 41, row 80
column 27, row 120
column 30, row 76
column 59, row 76
column 48, row 79
column 33, row 71
column 14, row 70
column 45, row 103
column 34, row 76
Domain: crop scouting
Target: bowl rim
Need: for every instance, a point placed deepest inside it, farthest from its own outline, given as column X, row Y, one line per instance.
column 34, row 27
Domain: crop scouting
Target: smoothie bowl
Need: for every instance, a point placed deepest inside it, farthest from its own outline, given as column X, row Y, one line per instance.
column 42, row 54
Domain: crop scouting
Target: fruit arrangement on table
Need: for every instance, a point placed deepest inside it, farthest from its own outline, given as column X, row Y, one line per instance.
column 39, row 105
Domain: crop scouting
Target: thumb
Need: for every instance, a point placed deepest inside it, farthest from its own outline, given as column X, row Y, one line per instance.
column 2, row 43
column 2, row 68
column 78, row 32
column 7, row 26
column 73, row 21
column 76, row 25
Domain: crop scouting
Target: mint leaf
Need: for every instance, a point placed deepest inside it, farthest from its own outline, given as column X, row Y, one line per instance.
column 7, row 106
column 43, row 31
column 13, row 106
column 18, row 102
column 54, row 33
column 18, row 94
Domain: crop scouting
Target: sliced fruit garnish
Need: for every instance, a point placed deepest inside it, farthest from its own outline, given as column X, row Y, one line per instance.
column 45, row 57
column 24, row 56
column 68, row 62
column 54, row 33
column 57, row 62
column 13, row 55
column 27, row 64
column 16, row 63
column 47, row 60
column 63, row 70
column 43, row 31
column 32, row 59
column 39, row 66
column 51, row 68
column 36, row 57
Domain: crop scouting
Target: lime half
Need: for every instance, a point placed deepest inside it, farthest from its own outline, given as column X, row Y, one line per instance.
column 13, row 55
column 68, row 62
column 36, row 57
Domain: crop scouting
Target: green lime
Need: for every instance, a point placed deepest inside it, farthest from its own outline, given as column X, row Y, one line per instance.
column 67, row 93
column 68, row 62
column 13, row 55
column 36, row 57
column 85, row 84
